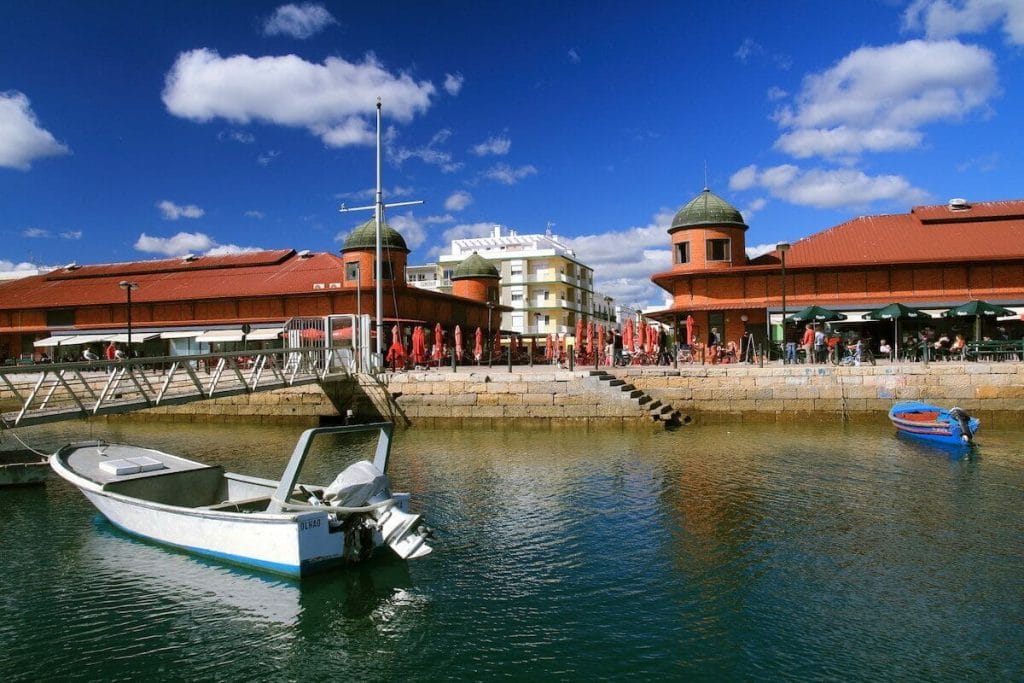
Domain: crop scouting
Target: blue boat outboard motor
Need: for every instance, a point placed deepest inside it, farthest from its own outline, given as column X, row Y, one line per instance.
column 964, row 420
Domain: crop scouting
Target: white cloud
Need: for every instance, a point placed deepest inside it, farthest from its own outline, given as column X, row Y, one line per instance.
column 13, row 271
column 334, row 100
column 237, row 136
column 445, row 218
column 173, row 212
column 36, row 233
column 494, row 145
column 827, row 188
column 751, row 209
column 753, row 251
column 776, row 93
column 574, row 56
column 258, row 215
column 943, row 19
column 457, row 201
column 228, row 249
column 71, row 235
column 453, row 83
column 22, row 141
column 428, row 154
column 624, row 260
column 409, row 227
column 876, row 98
column 298, row 21
column 465, row 231
column 265, row 158
column 179, row 244
column 506, row 175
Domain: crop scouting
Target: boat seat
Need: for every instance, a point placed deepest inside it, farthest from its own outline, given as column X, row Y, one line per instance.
column 257, row 504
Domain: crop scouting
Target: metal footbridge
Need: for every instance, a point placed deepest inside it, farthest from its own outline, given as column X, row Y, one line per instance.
column 41, row 393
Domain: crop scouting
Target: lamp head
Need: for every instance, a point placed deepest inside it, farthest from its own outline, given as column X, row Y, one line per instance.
column 782, row 247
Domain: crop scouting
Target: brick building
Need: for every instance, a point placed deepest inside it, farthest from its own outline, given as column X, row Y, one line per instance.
column 197, row 300
column 933, row 258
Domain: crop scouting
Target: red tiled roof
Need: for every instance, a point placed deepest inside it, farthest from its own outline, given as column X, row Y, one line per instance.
column 208, row 277
column 932, row 234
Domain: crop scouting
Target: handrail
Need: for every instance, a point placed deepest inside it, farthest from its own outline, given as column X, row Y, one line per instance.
column 49, row 392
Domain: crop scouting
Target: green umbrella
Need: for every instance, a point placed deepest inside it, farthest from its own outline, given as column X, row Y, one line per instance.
column 894, row 312
column 815, row 314
column 977, row 309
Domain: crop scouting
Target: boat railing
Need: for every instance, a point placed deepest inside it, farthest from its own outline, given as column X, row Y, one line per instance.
column 48, row 392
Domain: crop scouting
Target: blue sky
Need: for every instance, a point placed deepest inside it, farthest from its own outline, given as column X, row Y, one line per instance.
column 132, row 131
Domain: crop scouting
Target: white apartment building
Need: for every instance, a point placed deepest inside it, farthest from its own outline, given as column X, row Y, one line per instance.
column 544, row 283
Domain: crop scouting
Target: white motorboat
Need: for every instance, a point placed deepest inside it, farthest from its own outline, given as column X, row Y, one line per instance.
column 280, row 526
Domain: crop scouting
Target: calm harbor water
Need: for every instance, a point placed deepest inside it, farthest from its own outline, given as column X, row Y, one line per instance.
column 724, row 551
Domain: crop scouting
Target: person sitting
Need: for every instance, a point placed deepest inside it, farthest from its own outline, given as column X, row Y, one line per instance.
column 730, row 354
column 884, row 349
column 958, row 348
column 941, row 347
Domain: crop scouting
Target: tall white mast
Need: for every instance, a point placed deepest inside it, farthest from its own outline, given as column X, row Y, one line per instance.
column 378, row 216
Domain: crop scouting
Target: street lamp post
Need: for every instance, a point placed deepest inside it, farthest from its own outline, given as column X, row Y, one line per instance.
column 490, row 337
column 782, row 248
column 128, row 287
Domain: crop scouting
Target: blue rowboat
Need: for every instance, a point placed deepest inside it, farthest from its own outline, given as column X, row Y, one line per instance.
column 932, row 423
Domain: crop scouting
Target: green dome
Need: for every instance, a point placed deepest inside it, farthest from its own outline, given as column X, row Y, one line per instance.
column 365, row 237
column 707, row 208
column 474, row 265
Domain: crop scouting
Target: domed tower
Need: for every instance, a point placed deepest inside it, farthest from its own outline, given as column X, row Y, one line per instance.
column 707, row 234
column 476, row 278
column 360, row 251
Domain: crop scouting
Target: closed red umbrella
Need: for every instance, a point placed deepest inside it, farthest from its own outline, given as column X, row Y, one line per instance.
column 436, row 355
column 419, row 351
column 649, row 340
column 547, row 347
column 478, row 345
column 627, row 335
column 458, row 343
column 689, row 330
column 590, row 338
column 600, row 338
column 396, row 353
column 578, row 341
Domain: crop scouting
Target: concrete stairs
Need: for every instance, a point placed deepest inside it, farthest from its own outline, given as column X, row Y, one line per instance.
column 661, row 412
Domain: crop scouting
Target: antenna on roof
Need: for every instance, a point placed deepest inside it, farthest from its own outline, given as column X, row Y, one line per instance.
column 705, row 174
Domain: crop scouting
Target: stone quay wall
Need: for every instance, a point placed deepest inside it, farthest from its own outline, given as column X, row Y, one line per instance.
column 826, row 392
column 543, row 395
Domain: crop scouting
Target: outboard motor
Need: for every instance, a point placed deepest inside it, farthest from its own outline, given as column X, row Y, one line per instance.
column 361, row 485
column 964, row 420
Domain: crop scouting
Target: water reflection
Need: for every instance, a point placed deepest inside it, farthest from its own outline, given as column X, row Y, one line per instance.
column 723, row 551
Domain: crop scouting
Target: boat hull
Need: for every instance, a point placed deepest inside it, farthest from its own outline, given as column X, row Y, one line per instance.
column 289, row 544
column 933, row 424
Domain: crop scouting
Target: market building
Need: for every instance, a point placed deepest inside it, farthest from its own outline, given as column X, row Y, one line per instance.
column 933, row 258
column 189, row 304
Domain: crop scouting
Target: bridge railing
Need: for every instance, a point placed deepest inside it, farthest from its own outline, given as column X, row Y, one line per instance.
column 58, row 391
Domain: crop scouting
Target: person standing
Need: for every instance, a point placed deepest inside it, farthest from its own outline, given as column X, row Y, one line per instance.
column 819, row 346
column 807, row 342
